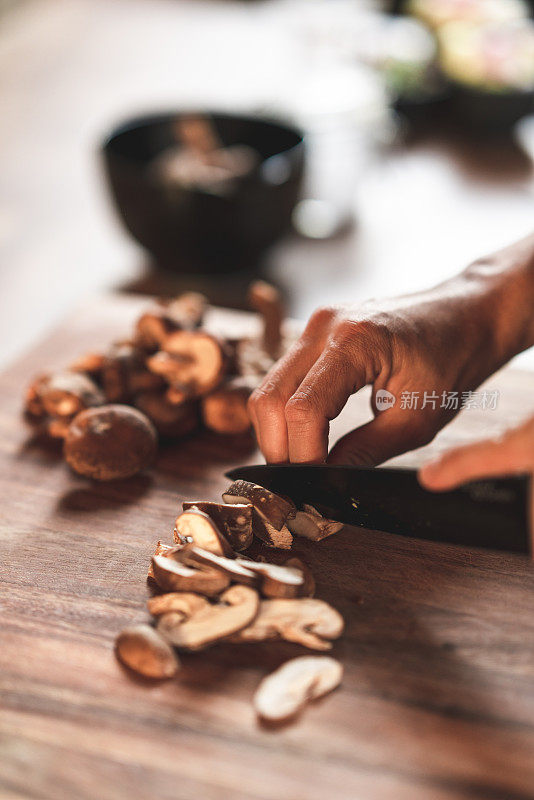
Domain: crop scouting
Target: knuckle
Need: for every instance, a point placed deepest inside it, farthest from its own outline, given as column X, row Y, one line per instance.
column 322, row 316
column 265, row 401
column 300, row 410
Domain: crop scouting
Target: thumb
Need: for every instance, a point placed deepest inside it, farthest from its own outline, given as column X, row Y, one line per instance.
column 387, row 435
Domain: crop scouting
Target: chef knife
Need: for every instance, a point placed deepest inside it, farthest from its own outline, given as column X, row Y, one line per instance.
column 489, row 513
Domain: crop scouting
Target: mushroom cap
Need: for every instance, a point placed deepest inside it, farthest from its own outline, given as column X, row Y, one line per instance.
column 283, row 693
column 109, row 442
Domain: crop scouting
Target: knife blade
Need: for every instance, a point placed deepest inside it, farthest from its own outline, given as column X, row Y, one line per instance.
column 491, row 514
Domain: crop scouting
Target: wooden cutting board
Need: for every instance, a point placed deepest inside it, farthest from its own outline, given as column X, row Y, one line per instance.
column 438, row 696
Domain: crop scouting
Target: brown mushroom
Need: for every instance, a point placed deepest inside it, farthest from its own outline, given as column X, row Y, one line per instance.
column 236, row 570
column 225, row 409
column 33, row 402
column 284, row 692
column 265, row 299
column 234, row 520
column 184, row 603
column 235, row 609
column 276, row 581
column 185, row 312
column 125, row 373
column 197, row 527
column 281, row 539
column 308, row 586
column 307, row 621
column 161, row 550
column 110, row 442
column 173, row 576
column 312, row 525
column 66, row 393
column 169, row 419
column 142, row 649
column 200, row 361
column 91, row 363
column 275, row 510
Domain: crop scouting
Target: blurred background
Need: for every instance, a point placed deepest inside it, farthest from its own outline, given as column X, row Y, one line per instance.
column 342, row 149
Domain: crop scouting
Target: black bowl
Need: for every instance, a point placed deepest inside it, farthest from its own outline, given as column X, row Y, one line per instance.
column 191, row 229
column 490, row 113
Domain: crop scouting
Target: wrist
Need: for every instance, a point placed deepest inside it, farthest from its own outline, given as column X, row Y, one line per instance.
column 502, row 289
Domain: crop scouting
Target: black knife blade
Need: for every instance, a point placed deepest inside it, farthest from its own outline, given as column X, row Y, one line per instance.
column 492, row 514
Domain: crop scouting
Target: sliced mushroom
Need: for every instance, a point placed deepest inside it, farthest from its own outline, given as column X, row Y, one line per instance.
column 200, row 360
column 66, row 393
column 265, row 299
column 281, row 539
column 237, row 571
column 169, row 419
column 161, row 550
column 183, row 313
column 284, row 692
column 274, row 509
column 312, row 525
column 122, row 360
column 235, row 609
column 173, row 576
column 234, row 520
column 225, row 409
column 184, row 603
column 142, row 649
column 194, row 526
column 308, row 587
column 277, row 581
column 309, row 622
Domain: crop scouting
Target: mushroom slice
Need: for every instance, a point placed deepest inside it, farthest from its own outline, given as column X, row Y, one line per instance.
column 281, row 539
column 273, row 508
column 225, row 409
column 161, row 550
column 265, row 299
column 199, row 360
column 184, row 603
column 285, row 691
column 308, row 587
column 193, row 526
column 237, row 571
column 66, row 393
column 307, row 621
column 142, row 649
column 233, row 520
column 235, row 609
column 183, row 313
column 312, row 525
column 277, row 581
column 173, row 576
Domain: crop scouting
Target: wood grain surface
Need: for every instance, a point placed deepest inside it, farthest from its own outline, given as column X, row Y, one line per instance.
column 437, row 700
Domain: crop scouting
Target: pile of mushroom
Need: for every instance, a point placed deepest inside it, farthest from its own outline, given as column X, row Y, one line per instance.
column 178, row 376
column 207, row 593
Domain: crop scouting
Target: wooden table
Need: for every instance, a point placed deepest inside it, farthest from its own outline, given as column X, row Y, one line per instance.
column 438, row 696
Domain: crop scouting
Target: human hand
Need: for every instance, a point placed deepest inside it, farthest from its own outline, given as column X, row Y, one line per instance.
column 430, row 343
column 448, row 339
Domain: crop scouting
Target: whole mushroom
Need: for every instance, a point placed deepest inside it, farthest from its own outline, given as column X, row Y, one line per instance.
column 110, row 442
